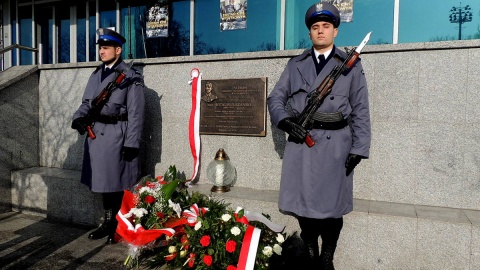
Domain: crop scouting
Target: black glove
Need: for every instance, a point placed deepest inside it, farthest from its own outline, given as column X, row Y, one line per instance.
column 80, row 124
column 129, row 153
column 297, row 132
column 352, row 162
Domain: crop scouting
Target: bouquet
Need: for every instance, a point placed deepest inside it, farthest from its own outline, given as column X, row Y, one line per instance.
column 164, row 224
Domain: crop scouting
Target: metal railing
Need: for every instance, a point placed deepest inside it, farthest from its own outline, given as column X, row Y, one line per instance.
column 17, row 46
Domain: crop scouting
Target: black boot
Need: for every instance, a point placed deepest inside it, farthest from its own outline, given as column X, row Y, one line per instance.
column 104, row 229
column 330, row 235
column 112, row 232
column 326, row 258
column 313, row 257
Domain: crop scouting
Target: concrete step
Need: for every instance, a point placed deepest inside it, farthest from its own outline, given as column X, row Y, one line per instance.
column 376, row 235
column 56, row 194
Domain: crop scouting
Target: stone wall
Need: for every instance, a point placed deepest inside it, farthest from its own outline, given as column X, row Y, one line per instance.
column 424, row 111
column 19, row 126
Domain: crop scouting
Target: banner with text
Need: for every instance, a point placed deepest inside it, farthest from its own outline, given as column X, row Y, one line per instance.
column 157, row 23
column 233, row 14
column 345, row 7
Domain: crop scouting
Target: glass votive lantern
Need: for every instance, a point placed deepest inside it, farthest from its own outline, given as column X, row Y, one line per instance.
column 220, row 172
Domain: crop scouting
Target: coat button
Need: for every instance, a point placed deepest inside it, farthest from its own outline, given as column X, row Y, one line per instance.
column 332, row 98
column 328, row 137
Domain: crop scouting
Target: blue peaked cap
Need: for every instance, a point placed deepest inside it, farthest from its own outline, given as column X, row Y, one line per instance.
column 108, row 35
column 323, row 11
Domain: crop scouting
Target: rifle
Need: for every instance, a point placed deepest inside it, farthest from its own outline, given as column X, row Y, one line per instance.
column 316, row 100
column 99, row 101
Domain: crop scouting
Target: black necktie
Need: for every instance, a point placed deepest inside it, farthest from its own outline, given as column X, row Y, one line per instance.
column 321, row 60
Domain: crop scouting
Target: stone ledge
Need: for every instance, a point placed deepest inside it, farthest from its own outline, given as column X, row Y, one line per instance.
column 45, row 191
column 444, row 214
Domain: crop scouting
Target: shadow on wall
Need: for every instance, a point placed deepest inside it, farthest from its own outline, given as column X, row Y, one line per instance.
column 279, row 140
column 151, row 144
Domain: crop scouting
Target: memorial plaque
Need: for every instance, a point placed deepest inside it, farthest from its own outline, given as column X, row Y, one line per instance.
column 234, row 107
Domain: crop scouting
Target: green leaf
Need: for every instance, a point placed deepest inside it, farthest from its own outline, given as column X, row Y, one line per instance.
column 241, row 213
column 170, row 174
column 169, row 188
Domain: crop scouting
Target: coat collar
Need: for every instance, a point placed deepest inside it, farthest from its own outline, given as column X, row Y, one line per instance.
column 306, row 67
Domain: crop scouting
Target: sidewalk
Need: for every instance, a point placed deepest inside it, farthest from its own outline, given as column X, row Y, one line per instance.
column 31, row 242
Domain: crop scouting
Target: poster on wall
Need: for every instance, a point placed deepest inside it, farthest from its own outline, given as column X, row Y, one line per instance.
column 233, row 14
column 157, row 22
column 345, row 7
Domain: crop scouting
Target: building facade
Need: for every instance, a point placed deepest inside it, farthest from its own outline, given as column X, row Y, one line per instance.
column 64, row 31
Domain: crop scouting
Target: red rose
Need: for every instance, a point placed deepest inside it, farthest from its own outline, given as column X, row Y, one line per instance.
column 205, row 240
column 138, row 187
column 231, row 267
column 149, row 199
column 230, row 246
column 191, row 262
column 207, row 259
column 160, row 215
column 160, row 180
column 150, row 184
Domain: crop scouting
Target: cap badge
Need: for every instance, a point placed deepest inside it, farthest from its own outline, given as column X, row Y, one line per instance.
column 319, row 7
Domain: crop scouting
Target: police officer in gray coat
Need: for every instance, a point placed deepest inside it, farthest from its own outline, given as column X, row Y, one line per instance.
column 317, row 183
column 110, row 163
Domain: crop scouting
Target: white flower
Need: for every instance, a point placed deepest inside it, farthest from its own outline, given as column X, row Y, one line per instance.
column 145, row 189
column 280, row 238
column 226, row 217
column 172, row 249
column 235, row 231
column 137, row 212
column 198, row 226
column 176, row 207
column 268, row 251
column 277, row 249
column 183, row 253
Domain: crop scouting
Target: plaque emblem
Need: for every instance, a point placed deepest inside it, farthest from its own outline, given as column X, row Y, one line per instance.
column 209, row 96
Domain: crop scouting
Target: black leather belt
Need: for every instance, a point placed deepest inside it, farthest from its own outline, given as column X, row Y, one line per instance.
column 112, row 119
column 330, row 125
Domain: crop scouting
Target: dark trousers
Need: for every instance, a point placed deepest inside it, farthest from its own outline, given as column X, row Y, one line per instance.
column 329, row 230
column 112, row 201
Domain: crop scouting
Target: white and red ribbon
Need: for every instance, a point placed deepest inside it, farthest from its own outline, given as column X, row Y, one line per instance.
column 254, row 216
column 192, row 214
column 194, row 124
column 135, row 234
column 248, row 252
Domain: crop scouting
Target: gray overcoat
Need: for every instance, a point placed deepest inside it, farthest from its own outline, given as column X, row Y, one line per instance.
column 313, row 182
column 103, row 168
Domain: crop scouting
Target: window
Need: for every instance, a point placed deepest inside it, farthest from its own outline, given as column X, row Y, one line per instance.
column 373, row 15
column 92, row 40
column 177, row 43
column 25, row 34
column 81, row 32
column 63, row 23
column 429, row 20
column 261, row 32
column 44, row 20
column 131, row 21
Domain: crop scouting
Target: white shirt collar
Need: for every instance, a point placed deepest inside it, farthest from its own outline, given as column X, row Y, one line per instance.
column 325, row 54
column 109, row 67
